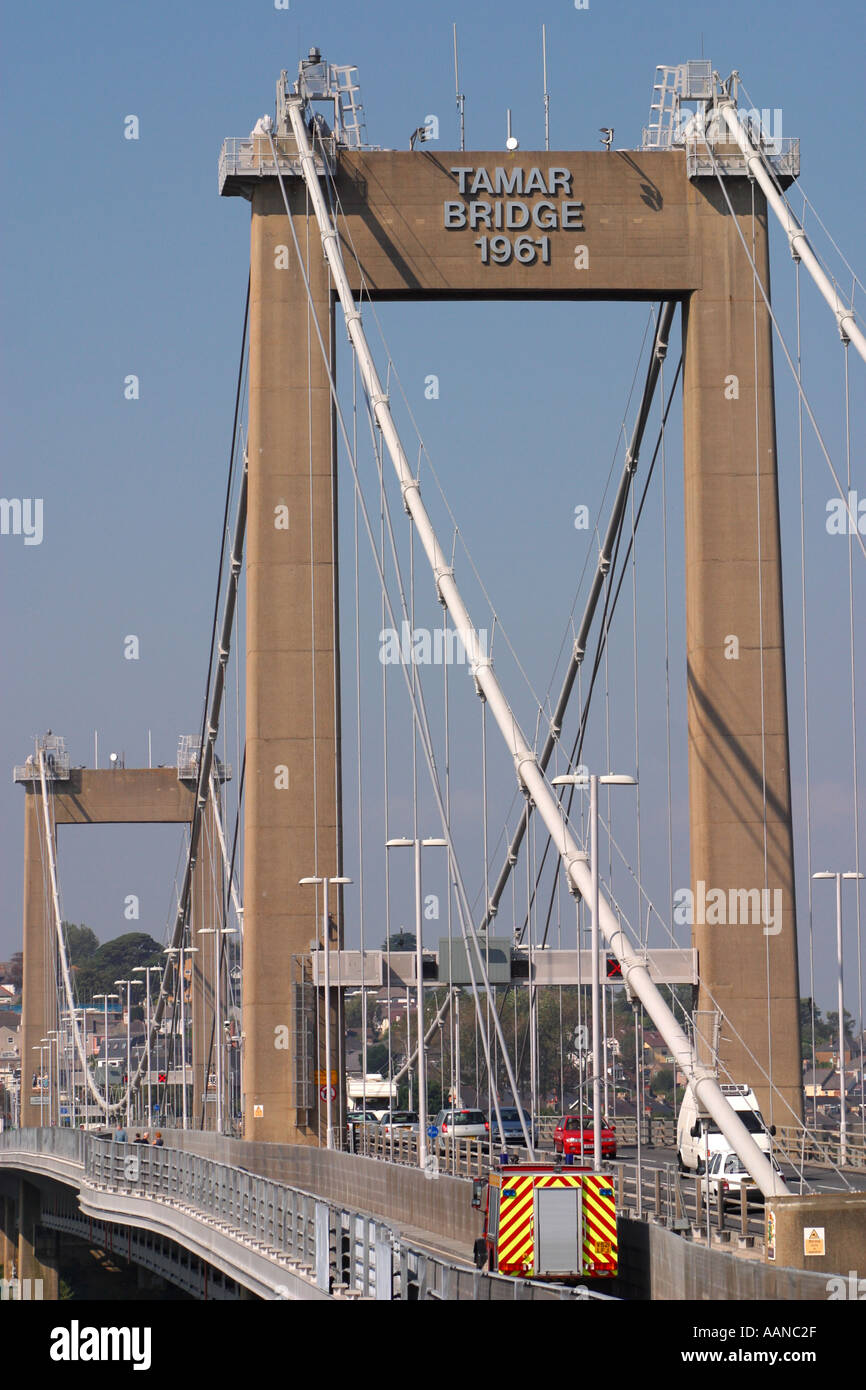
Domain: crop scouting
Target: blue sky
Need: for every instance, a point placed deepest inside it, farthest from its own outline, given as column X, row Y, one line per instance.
column 120, row 258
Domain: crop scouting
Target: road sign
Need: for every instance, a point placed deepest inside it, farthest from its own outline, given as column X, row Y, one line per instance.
column 323, row 1093
column 613, row 968
column 432, row 1131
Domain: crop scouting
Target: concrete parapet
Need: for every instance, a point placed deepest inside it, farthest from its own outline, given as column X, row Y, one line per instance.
column 824, row 1232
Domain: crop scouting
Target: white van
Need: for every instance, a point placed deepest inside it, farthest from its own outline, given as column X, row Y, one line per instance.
column 698, row 1133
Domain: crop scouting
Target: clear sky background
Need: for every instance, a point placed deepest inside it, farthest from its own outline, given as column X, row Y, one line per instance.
column 119, row 257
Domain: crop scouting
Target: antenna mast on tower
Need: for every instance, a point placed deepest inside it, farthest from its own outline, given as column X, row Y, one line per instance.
column 461, row 99
column 546, row 92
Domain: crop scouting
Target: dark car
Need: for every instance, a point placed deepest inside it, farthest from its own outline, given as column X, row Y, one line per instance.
column 512, row 1133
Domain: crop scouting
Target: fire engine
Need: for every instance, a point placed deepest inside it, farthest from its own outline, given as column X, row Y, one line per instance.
column 547, row 1222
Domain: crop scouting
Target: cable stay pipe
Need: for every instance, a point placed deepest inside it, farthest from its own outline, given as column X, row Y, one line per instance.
column 798, row 241
column 227, row 866
column 467, row 926
column 440, row 1013
column 206, row 758
column 101, row 1100
column 529, row 774
column 659, row 352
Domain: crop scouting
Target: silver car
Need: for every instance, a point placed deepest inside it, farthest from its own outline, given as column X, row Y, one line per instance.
column 461, row 1124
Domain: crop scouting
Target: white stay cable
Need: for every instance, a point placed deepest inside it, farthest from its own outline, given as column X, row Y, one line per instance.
column 101, row 1100
column 417, row 701
column 227, row 868
column 701, row 1079
column 797, row 239
column 796, row 375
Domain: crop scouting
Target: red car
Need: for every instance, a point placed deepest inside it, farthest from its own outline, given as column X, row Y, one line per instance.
column 573, row 1137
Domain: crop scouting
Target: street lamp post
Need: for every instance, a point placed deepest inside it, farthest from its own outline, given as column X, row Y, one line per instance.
column 40, row 1049
column 182, row 951
column 46, row 1042
column 129, row 984
column 84, row 1010
column 146, row 970
column 216, row 933
column 329, row 1112
column 54, row 1090
column 105, row 998
column 419, row 976
column 843, row 1123
column 611, row 779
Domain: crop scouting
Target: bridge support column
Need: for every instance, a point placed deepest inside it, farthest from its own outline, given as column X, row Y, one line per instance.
column 740, row 799
column 31, row 1265
column 292, row 797
column 8, row 1236
column 38, row 1007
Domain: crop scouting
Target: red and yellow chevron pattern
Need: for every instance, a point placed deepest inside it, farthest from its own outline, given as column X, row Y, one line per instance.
column 515, row 1223
column 599, row 1225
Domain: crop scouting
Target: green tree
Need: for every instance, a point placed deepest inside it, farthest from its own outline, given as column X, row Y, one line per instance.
column 663, row 1082
column 81, row 942
column 823, row 1032
column 400, row 941
column 16, row 972
column 377, row 1058
column 352, row 1012
column 833, row 1027
column 113, row 961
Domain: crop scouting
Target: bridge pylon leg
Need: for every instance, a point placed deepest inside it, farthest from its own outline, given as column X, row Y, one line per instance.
column 8, row 1236
column 30, row 1265
column 292, row 789
column 38, row 1005
column 742, row 861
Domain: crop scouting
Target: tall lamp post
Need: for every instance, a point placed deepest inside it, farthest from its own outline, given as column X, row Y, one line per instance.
column 84, row 1010
column 129, row 984
column 40, row 1049
column 216, row 933
column 419, row 977
column 329, row 1111
column 843, row 1123
column 54, row 1041
column 182, row 951
column 105, row 998
column 610, row 779
column 146, row 971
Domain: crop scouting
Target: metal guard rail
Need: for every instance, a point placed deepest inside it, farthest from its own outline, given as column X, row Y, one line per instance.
column 343, row 1251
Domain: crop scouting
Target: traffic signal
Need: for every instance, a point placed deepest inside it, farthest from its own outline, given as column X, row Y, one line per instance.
column 614, row 969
